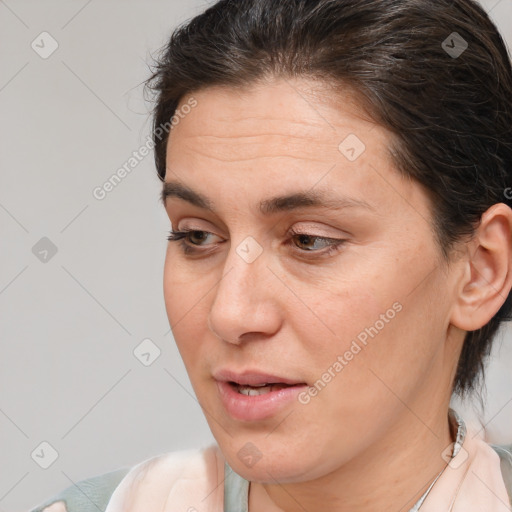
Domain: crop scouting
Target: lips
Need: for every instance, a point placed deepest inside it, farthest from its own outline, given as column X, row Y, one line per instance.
column 254, row 379
column 253, row 395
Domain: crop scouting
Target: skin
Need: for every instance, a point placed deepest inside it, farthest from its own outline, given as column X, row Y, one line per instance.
column 291, row 312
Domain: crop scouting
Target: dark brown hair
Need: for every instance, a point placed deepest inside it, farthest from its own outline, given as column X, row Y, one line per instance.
column 448, row 106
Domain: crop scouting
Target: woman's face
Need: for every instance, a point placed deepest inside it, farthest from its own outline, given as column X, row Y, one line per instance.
column 312, row 267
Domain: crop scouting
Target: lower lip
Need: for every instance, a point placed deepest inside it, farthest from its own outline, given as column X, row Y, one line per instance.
column 258, row 407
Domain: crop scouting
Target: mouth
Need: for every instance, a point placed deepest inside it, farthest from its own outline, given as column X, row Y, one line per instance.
column 261, row 389
column 255, row 396
column 255, row 380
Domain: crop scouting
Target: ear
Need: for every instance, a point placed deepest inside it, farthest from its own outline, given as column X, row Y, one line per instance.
column 487, row 276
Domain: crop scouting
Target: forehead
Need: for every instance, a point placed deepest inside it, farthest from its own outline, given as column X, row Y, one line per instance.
column 285, row 117
column 283, row 137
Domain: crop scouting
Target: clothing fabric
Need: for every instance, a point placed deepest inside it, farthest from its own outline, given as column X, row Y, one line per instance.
column 478, row 477
column 89, row 495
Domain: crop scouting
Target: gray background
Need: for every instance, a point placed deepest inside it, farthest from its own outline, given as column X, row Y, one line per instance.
column 69, row 322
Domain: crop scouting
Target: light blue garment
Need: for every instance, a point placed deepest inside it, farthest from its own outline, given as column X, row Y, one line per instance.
column 90, row 495
column 236, row 492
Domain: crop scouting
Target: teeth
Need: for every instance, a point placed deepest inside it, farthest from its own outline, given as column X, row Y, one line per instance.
column 254, row 391
column 261, row 389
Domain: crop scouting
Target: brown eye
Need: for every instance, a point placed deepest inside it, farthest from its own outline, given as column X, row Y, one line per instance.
column 308, row 241
column 190, row 235
column 314, row 246
column 196, row 237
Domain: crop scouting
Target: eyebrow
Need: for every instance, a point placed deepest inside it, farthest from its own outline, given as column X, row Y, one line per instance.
column 293, row 201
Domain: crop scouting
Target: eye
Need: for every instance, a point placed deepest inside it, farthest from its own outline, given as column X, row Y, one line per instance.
column 189, row 238
column 309, row 241
column 188, row 234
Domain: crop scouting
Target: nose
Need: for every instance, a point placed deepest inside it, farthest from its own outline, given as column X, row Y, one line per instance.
column 246, row 304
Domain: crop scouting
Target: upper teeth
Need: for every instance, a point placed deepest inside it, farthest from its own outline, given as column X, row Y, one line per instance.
column 251, row 391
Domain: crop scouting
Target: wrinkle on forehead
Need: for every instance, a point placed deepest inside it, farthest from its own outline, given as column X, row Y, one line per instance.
column 276, row 120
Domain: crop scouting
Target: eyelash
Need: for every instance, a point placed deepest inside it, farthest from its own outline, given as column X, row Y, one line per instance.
column 182, row 236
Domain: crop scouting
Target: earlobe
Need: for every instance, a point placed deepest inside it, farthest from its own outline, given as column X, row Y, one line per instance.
column 487, row 277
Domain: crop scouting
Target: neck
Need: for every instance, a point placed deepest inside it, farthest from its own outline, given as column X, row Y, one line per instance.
column 389, row 476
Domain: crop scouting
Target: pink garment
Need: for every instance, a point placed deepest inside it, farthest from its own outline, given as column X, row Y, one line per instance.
column 193, row 482
column 186, row 481
column 472, row 482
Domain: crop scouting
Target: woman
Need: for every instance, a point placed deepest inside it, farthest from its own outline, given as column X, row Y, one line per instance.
column 340, row 260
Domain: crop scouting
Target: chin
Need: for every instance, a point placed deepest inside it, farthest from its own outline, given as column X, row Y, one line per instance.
column 263, row 463
column 269, row 471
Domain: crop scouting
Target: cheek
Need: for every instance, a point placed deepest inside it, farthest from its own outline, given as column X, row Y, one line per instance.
column 183, row 291
column 186, row 303
column 388, row 345
column 383, row 321
column 336, row 309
